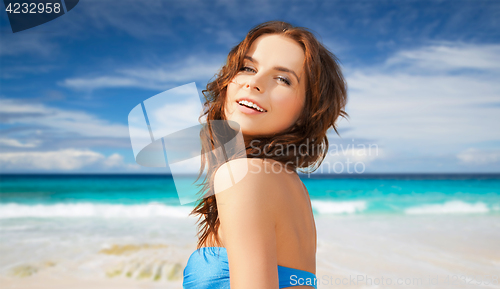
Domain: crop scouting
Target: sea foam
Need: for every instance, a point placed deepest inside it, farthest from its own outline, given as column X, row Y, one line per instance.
column 450, row 207
column 344, row 207
column 79, row 210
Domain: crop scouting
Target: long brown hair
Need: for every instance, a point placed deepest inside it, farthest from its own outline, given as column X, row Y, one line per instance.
column 326, row 98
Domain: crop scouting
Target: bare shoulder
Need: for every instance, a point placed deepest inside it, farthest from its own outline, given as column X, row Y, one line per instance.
column 246, row 202
column 254, row 173
column 255, row 180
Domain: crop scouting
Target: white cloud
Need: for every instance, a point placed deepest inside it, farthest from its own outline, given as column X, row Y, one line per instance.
column 10, row 142
column 414, row 108
column 116, row 161
column 19, row 70
column 17, row 112
column 448, row 56
column 66, row 159
column 350, row 158
column 138, row 19
column 479, row 157
column 41, row 126
column 34, row 43
column 101, row 82
column 157, row 78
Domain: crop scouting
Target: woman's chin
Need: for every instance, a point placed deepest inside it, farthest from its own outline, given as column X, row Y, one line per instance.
column 249, row 127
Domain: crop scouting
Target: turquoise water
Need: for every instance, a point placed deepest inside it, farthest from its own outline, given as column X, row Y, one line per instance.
column 112, row 189
column 152, row 195
column 402, row 193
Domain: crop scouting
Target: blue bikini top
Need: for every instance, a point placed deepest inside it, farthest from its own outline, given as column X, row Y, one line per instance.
column 206, row 269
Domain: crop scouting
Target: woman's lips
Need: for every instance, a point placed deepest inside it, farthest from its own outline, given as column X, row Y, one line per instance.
column 246, row 110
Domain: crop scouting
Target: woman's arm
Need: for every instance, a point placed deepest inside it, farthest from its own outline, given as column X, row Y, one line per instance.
column 247, row 216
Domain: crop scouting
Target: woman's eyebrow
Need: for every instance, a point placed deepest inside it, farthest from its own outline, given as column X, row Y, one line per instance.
column 279, row 68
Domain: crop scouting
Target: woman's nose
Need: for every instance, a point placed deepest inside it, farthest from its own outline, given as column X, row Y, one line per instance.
column 252, row 86
column 255, row 83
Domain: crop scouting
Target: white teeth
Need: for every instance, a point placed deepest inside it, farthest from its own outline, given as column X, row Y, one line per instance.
column 251, row 104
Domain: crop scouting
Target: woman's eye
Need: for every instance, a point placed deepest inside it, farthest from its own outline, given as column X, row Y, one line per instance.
column 284, row 80
column 247, row 69
column 280, row 78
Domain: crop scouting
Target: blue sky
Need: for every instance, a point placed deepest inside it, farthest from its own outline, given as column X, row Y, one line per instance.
column 422, row 76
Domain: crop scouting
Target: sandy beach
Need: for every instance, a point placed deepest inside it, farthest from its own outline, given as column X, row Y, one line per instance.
column 353, row 252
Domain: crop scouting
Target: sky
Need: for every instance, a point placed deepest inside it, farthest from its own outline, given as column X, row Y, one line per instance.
column 422, row 76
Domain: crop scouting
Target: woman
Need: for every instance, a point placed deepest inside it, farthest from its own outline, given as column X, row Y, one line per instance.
column 285, row 90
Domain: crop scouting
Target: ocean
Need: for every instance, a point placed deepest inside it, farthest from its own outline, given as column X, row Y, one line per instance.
column 23, row 196
column 132, row 228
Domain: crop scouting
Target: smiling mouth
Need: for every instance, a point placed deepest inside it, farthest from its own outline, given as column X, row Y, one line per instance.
column 249, row 105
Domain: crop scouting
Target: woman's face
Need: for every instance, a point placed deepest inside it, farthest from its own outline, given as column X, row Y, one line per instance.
column 272, row 78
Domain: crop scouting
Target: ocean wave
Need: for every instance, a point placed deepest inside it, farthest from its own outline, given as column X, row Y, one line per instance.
column 451, row 207
column 344, row 207
column 80, row 210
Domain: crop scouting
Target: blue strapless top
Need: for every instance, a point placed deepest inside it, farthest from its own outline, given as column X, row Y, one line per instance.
column 208, row 268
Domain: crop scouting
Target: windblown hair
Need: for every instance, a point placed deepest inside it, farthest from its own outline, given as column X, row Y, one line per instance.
column 325, row 101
